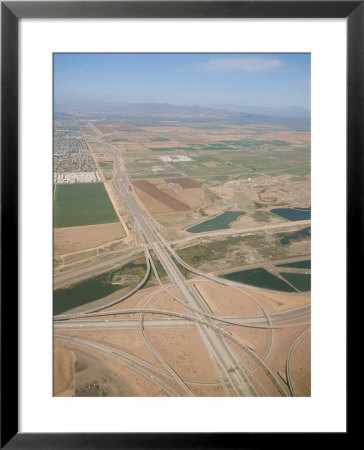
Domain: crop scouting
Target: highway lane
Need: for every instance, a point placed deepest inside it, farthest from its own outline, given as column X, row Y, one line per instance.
column 273, row 226
column 288, row 362
column 241, row 344
column 114, row 354
column 128, row 324
column 227, row 283
column 139, row 361
column 67, row 278
column 237, row 341
column 221, row 351
column 109, row 303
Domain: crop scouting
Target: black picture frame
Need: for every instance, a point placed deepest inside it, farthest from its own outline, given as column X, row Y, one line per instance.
column 11, row 12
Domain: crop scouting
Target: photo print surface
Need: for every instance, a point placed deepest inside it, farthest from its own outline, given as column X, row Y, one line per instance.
column 182, row 224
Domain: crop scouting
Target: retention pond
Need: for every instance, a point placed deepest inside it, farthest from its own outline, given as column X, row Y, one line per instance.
column 219, row 222
column 259, row 278
column 293, row 214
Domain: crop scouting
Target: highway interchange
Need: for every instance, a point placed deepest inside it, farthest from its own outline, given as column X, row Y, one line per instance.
column 231, row 372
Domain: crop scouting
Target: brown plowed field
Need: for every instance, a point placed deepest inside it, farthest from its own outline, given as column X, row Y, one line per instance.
column 152, row 204
column 75, row 239
column 162, row 197
column 106, row 129
column 185, row 183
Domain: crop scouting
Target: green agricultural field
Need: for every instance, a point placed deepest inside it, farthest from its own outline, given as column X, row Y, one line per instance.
column 171, row 149
column 207, row 158
column 271, row 157
column 218, row 178
column 157, row 175
column 196, row 170
column 301, row 172
column 108, row 168
column 82, row 204
column 162, row 149
column 214, row 147
column 222, row 159
column 141, row 164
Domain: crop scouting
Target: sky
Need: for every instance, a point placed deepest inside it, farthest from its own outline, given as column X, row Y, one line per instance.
column 273, row 80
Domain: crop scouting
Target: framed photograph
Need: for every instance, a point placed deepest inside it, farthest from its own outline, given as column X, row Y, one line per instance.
column 160, row 165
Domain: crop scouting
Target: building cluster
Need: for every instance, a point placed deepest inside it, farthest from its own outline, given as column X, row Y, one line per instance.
column 76, row 177
column 67, row 138
column 153, row 171
column 71, row 157
column 74, row 163
column 174, row 158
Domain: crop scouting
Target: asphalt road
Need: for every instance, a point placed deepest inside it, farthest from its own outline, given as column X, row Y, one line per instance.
column 67, row 278
column 114, row 354
column 282, row 318
column 272, row 226
column 213, row 341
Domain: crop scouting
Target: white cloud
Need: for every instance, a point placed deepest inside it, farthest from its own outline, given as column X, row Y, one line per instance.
column 242, row 64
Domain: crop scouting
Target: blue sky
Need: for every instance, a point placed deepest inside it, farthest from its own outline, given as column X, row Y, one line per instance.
column 274, row 80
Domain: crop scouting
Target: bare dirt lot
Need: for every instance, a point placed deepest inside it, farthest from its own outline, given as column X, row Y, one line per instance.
column 193, row 197
column 276, row 301
column 300, row 367
column 180, row 348
column 63, row 372
column 172, row 203
column 75, row 239
column 106, row 129
column 185, row 183
column 91, row 369
column 284, row 339
column 183, row 349
column 226, row 301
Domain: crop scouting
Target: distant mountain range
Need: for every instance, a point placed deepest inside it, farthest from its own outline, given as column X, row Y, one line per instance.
column 154, row 109
column 165, row 109
column 291, row 116
column 288, row 111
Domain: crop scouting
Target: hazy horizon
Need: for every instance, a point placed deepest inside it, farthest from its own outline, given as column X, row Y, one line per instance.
column 207, row 80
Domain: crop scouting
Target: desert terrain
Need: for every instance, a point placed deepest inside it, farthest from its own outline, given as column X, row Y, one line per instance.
column 188, row 271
